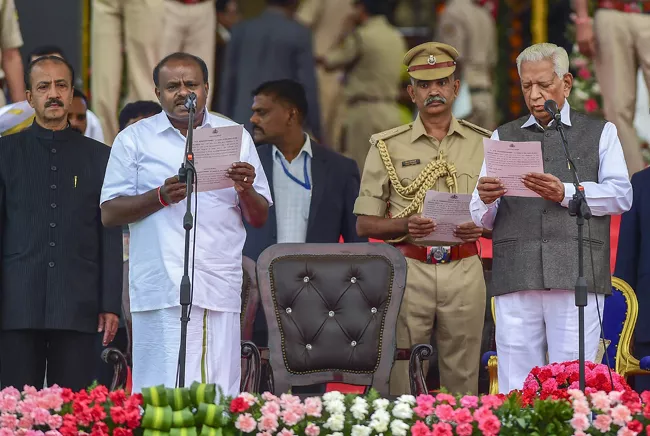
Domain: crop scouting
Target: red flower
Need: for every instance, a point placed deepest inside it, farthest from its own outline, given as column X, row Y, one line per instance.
column 118, row 415
column 98, row 413
column 238, row 405
column 635, row 426
column 117, row 397
column 632, row 401
column 591, row 105
column 122, row 432
column 544, row 374
column 99, row 429
column 584, row 73
column 67, row 395
column 133, row 419
column 99, row 394
column 420, row 429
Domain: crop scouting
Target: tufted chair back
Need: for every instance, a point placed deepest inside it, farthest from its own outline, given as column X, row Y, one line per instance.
column 250, row 298
column 331, row 311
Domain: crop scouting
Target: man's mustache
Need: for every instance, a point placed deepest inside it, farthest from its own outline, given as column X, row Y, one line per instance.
column 53, row 101
column 255, row 127
column 433, row 98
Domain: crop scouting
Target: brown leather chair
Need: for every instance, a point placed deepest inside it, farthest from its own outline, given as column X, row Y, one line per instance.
column 250, row 300
column 331, row 311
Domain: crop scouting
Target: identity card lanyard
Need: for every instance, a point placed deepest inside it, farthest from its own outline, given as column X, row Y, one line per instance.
column 304, row 184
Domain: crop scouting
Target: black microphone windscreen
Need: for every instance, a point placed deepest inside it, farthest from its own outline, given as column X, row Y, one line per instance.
column 550, row 106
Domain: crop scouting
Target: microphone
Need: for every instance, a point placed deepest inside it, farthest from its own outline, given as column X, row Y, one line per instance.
column 190, row 101
column 550, row 106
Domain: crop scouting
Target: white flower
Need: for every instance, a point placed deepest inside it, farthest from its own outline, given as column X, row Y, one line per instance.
column 580, row 94
column 359, row 408
column 335, row 422
column 399, row 428
column 379, row 421
column 408, row 399
column 336, row 433
column 360, row 430
column 335, row 407
column 402, row 411
column 595, row 88
column 380, row 404
column 333, row 396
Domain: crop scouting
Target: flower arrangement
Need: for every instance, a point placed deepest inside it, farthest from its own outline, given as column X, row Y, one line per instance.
column 613, row 413
column 31, row 411
column 585, row 94
column 555, row 380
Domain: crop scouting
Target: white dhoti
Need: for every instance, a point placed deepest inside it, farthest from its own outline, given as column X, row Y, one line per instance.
column 530, row 324
column 213, row 348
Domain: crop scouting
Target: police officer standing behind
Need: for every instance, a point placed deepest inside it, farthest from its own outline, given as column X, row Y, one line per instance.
column 445, row 285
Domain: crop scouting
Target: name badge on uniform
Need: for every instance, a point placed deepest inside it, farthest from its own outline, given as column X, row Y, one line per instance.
column 409, row 163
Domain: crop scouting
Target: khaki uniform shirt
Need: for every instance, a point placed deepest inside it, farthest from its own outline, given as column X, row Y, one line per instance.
column 372, row 56
column 326, row 20
column 10, row 36
column 411, row 149
column 470, row 29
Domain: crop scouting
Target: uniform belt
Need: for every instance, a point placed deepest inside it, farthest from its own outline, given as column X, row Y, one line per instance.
column 435, row 255
column 641, row 7
column 368, row 99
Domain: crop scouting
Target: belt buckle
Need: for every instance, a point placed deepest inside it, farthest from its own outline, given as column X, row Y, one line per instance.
column 437, row 255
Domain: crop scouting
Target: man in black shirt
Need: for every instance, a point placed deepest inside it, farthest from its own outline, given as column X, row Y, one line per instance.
column 61, row 270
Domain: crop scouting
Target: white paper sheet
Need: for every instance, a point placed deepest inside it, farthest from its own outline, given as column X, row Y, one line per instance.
column 448, row 211
column 509, row 161
column 215, row 150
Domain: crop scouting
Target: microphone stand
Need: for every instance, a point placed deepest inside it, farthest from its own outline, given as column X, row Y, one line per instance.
column 186, row 174
column 578, row 208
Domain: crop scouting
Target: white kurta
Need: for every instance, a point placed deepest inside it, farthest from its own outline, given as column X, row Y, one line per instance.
column 530, row 323
column 143, row 156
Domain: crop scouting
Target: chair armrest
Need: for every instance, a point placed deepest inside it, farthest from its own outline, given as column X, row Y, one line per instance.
column 250, row 381
column 417, row 377
column 115, row 357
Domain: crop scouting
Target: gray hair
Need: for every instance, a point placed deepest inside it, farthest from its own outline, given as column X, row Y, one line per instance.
column 545, row 51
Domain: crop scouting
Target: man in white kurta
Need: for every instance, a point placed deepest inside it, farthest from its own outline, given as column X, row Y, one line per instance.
column 139, row 190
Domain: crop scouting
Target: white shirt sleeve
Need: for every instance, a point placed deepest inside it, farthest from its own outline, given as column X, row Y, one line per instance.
column 93, row 127
column 121, row 175
column 612, row 195
column 249, row 154
column 483, row 215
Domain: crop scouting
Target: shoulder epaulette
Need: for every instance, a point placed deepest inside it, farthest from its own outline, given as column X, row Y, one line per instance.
column 217, row 114
column 390, row 133
column 474, row 127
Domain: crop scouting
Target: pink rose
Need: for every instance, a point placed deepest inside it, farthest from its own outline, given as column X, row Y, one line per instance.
column 442, row 429
column 490, row 426
column 246, row 423
column 8, row 420
column 10, row 392
column 286, row 432
column 580, row 422
column 603, row 423
column 600, row 401
column 581, row 407
column 491, row 401
column 446, row 398
column 8, row 404
column 482, row 413
column 580, row 62
column 250, row 399
column 624, row 431
column 41, row 416
column 584, row 73
column 312, row 430
column 6, row 432
column 425, row 399
column 621, row 415
column 423, row 410
column 313, row 407
column 297, row 409
column 267, row 396
column 615, row 396
column 25, row 422
column 463, row 416
column 444, row 412
column 55, row 421
column 290, row 418
column 264, row 433
column 469, row 401
column 271, row 408
column 420, row 429
column 268, row 423
column 464, row 429
column 286, row 399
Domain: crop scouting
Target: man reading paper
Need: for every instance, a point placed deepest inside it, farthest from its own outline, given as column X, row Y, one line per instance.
column 535, row 264
column 141, row 190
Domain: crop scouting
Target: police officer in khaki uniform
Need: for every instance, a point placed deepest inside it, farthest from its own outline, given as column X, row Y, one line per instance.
column 445, row 285
column 327, row 20
column 470, row 28
column 371, row 56
column 618, row 40
column 12, row 64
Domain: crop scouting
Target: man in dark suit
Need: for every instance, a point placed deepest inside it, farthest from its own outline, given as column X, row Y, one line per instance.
column 61, row 272
column 313, row 188
column 272, row 46
column 633, row 263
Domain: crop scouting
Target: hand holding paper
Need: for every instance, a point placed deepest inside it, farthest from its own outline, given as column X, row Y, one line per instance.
column 215, row 150
column 510, row 161
column 448, row 211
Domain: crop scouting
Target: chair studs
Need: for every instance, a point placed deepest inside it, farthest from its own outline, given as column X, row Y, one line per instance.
column 353, row 280
column 288, row 310
column 373, row 310
column 308, row 347
column 353, row 343
column 305, row 279
column 331, row 314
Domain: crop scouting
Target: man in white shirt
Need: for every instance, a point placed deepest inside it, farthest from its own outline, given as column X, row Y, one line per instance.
column 535, row 261
column 142, row 190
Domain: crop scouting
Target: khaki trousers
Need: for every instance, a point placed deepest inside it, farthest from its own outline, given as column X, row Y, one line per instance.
column 192, row 28
column 331, row 105
column 450, row 297
column 622, row 47
column 141, row 21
